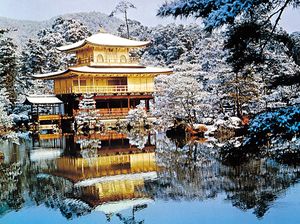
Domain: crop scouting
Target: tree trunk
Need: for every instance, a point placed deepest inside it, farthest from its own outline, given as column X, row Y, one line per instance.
column 126, row 22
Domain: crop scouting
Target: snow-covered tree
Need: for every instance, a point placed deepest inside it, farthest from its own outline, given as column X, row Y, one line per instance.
column 32, row 61
column 6, row 121
column 220, row 12
column 8, row 66
column 138, row 137
column 41, row 55
column 262, row 57
column 178, row 97
column 87, row 115
column 137, row 117
column 170, row 42
column 123, row 7
column 70, row 29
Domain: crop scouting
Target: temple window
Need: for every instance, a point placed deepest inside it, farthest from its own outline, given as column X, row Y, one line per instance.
column 123, row 59
column 82, row 82
column 100, row 58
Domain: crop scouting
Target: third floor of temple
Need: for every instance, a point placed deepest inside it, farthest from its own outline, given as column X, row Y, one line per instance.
column 104, row 49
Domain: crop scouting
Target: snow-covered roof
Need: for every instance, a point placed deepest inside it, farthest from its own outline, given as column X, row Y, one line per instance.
column 115, row 207
column 104, row 39
column 43, row 99
column 51, row 74
column 45, row 154
column 135, row 176
column 99, row 70
column 105, row 70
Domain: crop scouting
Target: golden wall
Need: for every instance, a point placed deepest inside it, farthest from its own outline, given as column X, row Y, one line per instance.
column 100, row 55
column 136, row 84
column 78, row 169
column 111, row 55
column 103, row 85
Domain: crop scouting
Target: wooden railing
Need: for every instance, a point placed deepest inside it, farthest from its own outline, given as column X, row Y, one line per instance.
column 111, row 89
column 90, row 60
column 100, row 89
column 111, row 112
column 50, row 117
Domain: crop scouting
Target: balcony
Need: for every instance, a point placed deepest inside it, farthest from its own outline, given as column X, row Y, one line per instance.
column 112, row 89
column 118, row 61
column 105, row 113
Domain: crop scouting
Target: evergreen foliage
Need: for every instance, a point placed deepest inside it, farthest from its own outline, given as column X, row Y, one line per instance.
column 284, row 122
column 8, row 66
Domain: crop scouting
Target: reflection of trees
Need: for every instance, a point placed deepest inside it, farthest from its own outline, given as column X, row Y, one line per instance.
column 190, row 174
column 11, row 197
column 132, row 219
column 89, row 149
column 186, row 176
column 57, row 193
column 258, row 183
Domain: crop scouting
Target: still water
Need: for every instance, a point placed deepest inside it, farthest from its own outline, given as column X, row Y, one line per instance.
column 140, row 177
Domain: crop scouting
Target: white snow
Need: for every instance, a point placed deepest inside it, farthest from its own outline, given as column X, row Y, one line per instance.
column 51, row 74
column 99, row 70
column 105, row 39
column 115, row 207
column 45, row 154
column 145, row 176
column 121, row 70
column 43, row 99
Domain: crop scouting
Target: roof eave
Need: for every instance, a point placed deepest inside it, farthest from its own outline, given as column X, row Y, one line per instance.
column 49, row 77
column 73, row 49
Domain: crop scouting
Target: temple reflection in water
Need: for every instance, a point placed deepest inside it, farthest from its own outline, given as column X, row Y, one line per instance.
column 115, row 172
column 106, row 171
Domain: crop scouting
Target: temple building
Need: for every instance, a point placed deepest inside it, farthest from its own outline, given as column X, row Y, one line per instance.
column 105, row 68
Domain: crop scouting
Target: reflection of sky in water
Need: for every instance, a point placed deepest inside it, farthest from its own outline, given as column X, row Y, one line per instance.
column 210, row 211
column 180, row 186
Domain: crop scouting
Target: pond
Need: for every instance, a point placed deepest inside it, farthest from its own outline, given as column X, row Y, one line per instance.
column 141, row 177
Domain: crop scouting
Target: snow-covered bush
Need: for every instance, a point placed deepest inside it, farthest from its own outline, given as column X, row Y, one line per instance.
column 137, row 117
column 87, row 115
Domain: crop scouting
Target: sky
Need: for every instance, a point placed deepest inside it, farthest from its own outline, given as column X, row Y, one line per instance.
column 146, row 10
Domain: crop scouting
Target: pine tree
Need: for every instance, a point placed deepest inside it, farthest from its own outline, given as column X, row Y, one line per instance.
column 5, row 120
column 32, row 62
column 122, row 7
column 8, row 66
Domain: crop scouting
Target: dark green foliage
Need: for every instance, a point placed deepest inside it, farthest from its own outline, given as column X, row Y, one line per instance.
column 242, row 42
column 215, row 13
column 284, row 122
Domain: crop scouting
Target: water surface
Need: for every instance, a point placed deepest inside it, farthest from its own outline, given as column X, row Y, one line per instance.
column 140, row 177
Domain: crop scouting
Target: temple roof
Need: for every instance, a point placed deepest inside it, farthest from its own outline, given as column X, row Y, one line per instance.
column 105, row 70
column 118, row 206
column 152, row 175
column 43, row 99
column 105, row 40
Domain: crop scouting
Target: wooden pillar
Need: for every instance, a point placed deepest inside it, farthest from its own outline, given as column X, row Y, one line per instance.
column 79, row 83
column 94, row 83
column 147, row 105
column 128, row 103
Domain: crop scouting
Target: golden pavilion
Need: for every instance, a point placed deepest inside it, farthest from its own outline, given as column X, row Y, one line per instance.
column 105, row 68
